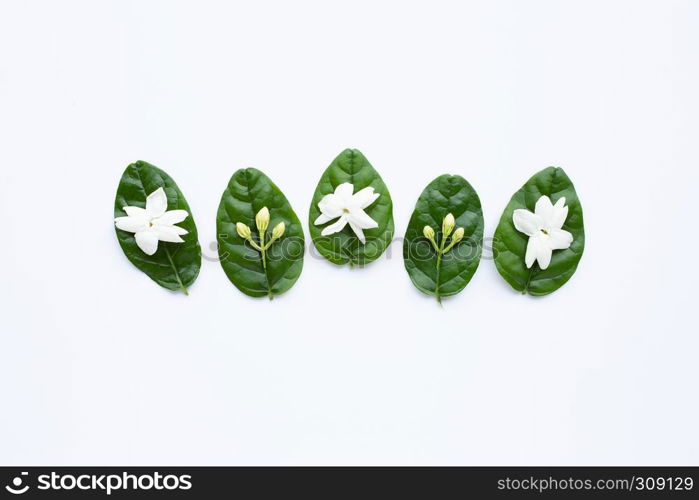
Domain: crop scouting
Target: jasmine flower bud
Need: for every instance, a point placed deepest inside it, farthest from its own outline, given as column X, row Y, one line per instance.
column 458, row 235
column 278, row 231
column 428, row 232
column 243, row 230
column 262, row 220
column 448, row 225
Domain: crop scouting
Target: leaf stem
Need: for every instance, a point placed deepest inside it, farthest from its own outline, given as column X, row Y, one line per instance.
column 177, row 274
column 529, row 278
column 450, row 246
column 263, row 251
column 440, row 252
column 434, row 245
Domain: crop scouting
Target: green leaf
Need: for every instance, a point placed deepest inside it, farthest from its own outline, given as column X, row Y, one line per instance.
column 509, row 245
column 448, row 275
column 248, row 191
column 174, row 266
column 344, row 247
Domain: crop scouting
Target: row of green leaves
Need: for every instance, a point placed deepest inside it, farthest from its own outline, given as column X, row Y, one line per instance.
column 176, row 265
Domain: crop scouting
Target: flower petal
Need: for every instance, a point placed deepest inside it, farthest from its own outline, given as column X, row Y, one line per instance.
column 336, row 227
column 560, row 239
column 330, row 205
column 358, row 231
column 156, row 203
column 544, row 209
column 131, row 224
column 560, row 213
column 147, row 241
column 361, row 219
column 526, row 222
column 364, row 197
column 158, row 225
column 532, row 250
column 136, row 212
column 344, row 191
column 543, row 253
column 172, row 217
column 169, row 233
column 322, row 219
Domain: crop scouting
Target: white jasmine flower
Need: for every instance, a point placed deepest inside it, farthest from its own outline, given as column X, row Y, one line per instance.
column 349, row 208
column 544, row 230
column 153, row 223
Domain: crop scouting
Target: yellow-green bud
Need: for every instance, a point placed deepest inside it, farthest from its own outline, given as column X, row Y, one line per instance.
column 243, row 230
column 458, row 235
column 262, row 220
column 448, row 225
column 428, row 232
column 278, row 230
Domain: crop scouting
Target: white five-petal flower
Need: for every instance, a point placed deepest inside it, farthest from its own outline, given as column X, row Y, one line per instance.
column 349, row 208
column 153, row 223
column 544, row 230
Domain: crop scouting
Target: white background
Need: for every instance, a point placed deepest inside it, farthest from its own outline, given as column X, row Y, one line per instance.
column 101, row 366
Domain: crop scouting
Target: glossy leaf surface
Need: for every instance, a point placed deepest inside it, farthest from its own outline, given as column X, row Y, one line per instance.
column 446, row 194
column 509, row 245
column 248, row 191
column 174, row 266
column 344, row 247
